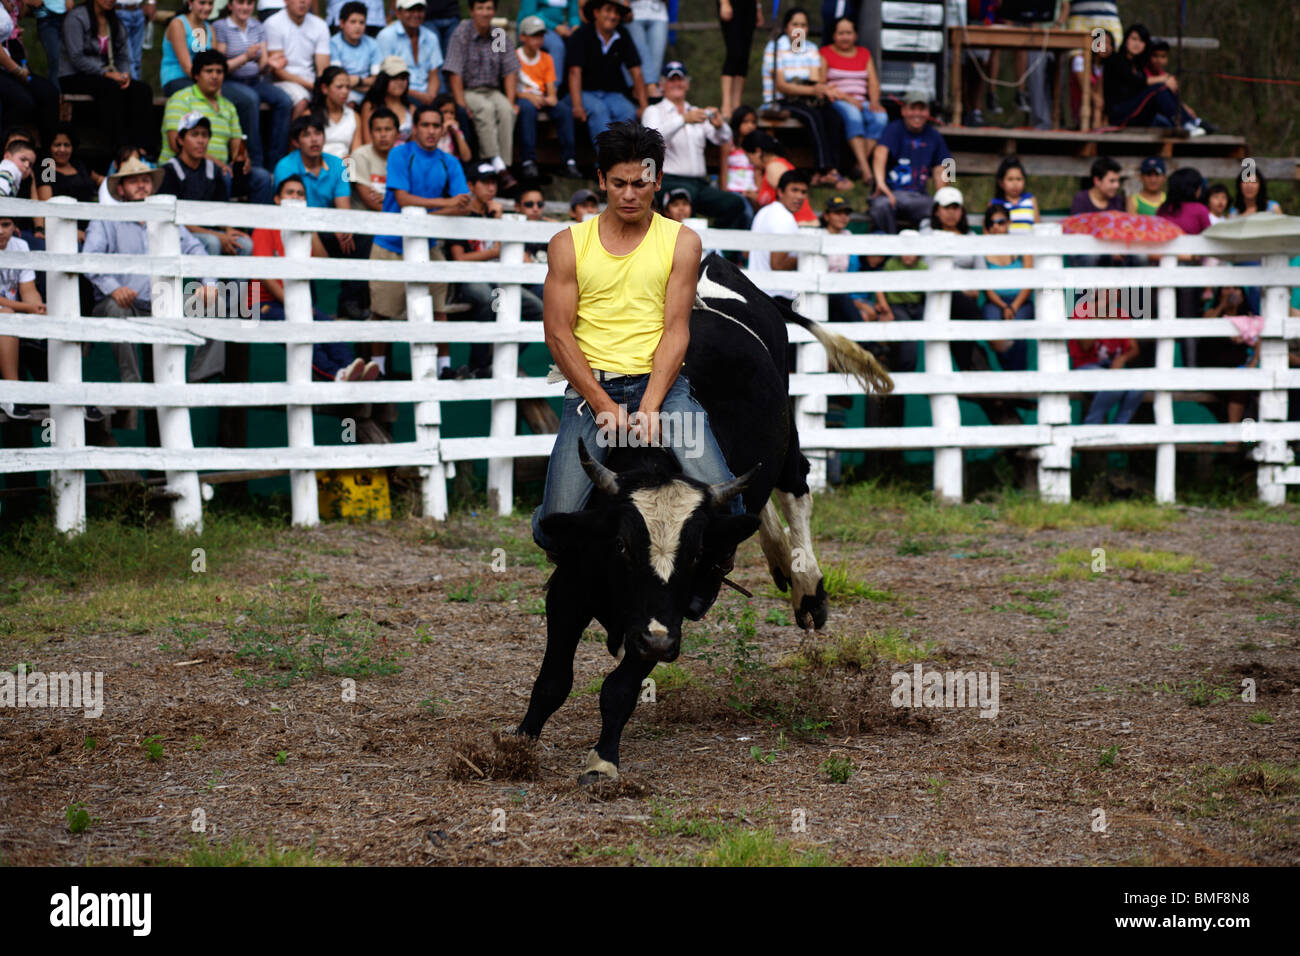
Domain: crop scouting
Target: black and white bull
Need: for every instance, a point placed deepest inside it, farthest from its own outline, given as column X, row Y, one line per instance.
column 649, row 535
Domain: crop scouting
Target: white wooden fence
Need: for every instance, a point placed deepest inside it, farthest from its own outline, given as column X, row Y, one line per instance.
column 1052, row 440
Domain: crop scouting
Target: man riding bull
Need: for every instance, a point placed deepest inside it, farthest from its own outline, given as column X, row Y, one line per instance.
column 616, row 311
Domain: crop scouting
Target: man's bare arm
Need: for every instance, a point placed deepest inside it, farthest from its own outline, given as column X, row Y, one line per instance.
column 560, row 315
column 679, row 299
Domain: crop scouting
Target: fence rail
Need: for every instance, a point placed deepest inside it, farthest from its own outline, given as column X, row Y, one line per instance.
column 1052, row 440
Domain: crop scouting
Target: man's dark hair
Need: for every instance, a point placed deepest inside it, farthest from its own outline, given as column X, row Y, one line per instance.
column 382, row 113
column 292, row 178
column 349, row 8
column 206, row 58
column 475, row 3
column 790, row 177
column 305, row 122
column 16, row 145
column 629, row 142
column 419, row 109
column 1100, row 167
column 1157, row 46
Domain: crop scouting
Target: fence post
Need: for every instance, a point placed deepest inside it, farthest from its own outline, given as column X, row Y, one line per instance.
column 810, row 410
column 506, row 310
column 169, row 366
column 68, row 421
column 1273, row 454
column 297, row 363
column 1166, row 452
column 1054, row 360
column 424, row 368
column 945, row 413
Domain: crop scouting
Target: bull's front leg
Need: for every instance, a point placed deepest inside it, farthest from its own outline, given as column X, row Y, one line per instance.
column 618, row 697
column 567, row 614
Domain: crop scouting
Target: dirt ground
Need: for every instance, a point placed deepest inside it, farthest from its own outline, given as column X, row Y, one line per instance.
column 1121, row 734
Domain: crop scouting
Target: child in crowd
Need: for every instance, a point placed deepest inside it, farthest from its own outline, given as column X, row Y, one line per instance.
column 1148, row 200
column 19, row 158
column 331, row 360
column 1105, row 353
column 369, row 163
column 353, row 51
column 1217, row 199
column 1009, row 194
column 453, row 140
column 1237, row 351
column 738, row 174
column 1158, row 68
column 1006, row 304
column 330, row 100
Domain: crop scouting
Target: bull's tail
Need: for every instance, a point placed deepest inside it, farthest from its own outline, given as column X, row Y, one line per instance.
column 846, row 355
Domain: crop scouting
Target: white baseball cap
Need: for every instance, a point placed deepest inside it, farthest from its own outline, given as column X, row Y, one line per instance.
column 949, row 196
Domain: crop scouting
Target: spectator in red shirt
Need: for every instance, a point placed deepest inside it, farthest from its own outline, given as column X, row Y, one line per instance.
column 330, row 360
column 1105, row 353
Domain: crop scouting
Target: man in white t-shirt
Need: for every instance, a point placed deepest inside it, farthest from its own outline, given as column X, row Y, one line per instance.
column 778, row 217
column 298, row 42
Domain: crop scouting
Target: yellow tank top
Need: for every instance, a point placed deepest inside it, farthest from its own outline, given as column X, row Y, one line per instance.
column 621, row 298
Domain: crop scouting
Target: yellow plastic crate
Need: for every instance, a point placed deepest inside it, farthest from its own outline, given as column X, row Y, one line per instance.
column 357, row 495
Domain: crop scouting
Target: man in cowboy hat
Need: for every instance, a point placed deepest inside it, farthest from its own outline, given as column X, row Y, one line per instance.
column 596, row 55
column 122, row 295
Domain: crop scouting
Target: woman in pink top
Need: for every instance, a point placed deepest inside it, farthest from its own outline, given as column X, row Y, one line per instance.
column 738, row 173
column 856, row 92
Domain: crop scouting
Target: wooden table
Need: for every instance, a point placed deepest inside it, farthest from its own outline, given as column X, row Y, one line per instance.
column 1021, row 38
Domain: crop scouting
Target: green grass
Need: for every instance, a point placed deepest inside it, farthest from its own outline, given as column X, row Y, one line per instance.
column 1217, row 790
column 240, row 852
column 842, row 588
column 1078, row 563
column 153, row 748
column 837, row 769
column 79, row 820
column 861, row 650
column 1108, row 756
column 299, row 637
column 1261, row 717
column 726, row 843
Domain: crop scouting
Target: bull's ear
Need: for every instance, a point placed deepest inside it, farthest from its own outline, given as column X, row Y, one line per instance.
column 571, row 528
column 726, row 531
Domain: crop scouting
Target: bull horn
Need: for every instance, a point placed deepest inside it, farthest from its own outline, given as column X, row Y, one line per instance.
column 600, row 476
column 724, row 491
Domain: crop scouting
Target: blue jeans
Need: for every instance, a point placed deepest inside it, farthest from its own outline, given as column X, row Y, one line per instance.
column 861, row 122
column 651, row 39
column 133, row 22
column 49, row 27
column 444, row 27
column 1016, row 358
column 248, row 99
column 567, row 485
column 562, row 119
column 212, row 244
column 602, row 108
column 1103, row 402
column 327, row 358
column 553, row 44
column 259, row 185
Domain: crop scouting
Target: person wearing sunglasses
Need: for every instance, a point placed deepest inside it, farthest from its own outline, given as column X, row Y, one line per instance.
column 1006, row 304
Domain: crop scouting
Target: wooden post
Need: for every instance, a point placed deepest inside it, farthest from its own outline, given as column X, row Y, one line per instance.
column 945, row 412
column 424, row 368
column 169, row 302
column 506, row 310
column 1054, row 358
column 67, row 421
column 1273, row 454
column 810, row 410
column 297, row 309
column 1166, row 452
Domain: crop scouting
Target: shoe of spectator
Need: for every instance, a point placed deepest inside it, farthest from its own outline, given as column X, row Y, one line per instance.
column 352, row 373
column 484, row 372
column 370, row 372
column 16, row 412
column 974, row 118
column 571, row 170
column 447, row 374
column 529, row 170
column 1194, row 129
column 93, row 414
column 1022, row 100
column 506, row 182
column 351, row 310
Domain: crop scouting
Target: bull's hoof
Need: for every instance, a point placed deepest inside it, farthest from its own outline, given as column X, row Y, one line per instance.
column 598, row 771
column 813, row 609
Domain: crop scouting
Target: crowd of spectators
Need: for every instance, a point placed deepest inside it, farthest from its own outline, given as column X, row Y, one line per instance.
column 269, row 101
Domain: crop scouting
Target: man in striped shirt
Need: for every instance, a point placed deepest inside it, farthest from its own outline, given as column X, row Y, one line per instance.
column 226, row 147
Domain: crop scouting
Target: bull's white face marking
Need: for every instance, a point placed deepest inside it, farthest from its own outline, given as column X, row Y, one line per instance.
column 664, row 511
